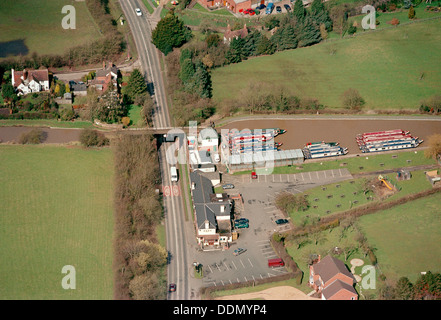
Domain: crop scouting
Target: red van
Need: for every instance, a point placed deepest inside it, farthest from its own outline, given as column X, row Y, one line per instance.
column 275, row 263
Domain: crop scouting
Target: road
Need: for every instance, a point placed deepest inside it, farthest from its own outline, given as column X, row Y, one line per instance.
column 177, row 234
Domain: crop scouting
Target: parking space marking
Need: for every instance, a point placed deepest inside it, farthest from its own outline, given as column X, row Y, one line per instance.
column 242, row 264
column 234, row 265
column 250, row 263
column 318, row 178
column 228, row 269
column 309, row 173
column 211, row 271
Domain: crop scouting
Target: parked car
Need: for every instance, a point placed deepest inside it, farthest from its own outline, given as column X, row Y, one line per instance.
column 239, row 251
column 281, row 221
column 138, row 12
column 241, row 220
column 262, row 6
column 242, row 225
column 253, row 175
column 216, row 157
column 287, row 7
column 278, row 9
column 172, row 287
column 228, row 186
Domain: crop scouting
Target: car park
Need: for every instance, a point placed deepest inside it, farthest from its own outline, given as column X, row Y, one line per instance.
column 281, row 221
column 138, row 12
column 239, row 251
column 228, row 186
column 278, row 9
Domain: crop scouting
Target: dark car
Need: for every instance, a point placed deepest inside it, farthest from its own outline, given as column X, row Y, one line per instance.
column 278, row 9
column 239, row 251
column 228, row 186
column 281, row 221
column 241, row 220
column 287, row 7
column 242, row 226
column 172, row 287
column 262, row 6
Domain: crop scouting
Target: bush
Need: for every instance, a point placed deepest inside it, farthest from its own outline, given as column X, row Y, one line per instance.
column 35, row 136
column 93, row 138
column 352, row 99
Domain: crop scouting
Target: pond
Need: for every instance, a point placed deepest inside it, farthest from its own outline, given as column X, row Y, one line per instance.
column 13, row 48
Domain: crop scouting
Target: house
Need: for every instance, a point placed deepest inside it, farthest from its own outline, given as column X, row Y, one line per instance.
column 78, row 89
column 331, row 278
column 230, row 35
column 105, row 78
column 28, row 81
column 209, row 139
column 212, row 213
column 233, row 5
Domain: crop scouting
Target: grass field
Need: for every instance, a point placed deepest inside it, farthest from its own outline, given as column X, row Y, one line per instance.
column 38, row 23
column 392, row 69
column 342, row 197
column 407, row 238
column 57, row 210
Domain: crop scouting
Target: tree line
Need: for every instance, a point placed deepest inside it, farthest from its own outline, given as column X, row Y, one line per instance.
column 139, row 260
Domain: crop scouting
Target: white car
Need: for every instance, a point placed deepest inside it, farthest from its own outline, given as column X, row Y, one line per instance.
column 138, row 12
column 216, row 157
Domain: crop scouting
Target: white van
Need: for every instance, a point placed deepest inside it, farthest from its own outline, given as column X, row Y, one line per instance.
column 174, row 174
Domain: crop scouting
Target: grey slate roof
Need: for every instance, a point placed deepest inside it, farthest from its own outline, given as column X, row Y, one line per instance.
column 206, row 209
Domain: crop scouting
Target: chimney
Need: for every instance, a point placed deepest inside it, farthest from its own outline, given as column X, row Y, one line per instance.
column 207, row 224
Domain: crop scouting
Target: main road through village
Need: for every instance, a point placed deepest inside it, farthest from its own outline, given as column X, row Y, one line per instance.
column 177, row 229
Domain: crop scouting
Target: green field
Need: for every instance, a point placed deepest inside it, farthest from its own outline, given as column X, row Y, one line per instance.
column 57, row 210
column 392, row 69
column 343, row 194
column 407, row 238
column 38, row 23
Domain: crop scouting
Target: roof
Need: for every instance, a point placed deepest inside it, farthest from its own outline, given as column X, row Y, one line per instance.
column 329, row 266
column 78, row 87
column 105, row 72
column 37, row 75
column 263, row 156
column 242, row 33
column 335, row 287
column 206, row 209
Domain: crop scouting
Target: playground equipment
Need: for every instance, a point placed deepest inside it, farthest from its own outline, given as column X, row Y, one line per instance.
column 380, row 177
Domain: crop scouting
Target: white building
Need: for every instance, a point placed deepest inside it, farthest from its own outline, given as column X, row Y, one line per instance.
column 28, row 81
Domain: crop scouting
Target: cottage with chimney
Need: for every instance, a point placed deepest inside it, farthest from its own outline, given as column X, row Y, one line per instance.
column 331, row 279
column 28, row 81
column 106, row 78
column 230, row 35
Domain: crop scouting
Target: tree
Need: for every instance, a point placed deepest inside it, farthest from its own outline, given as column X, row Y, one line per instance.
column 34, row 136
column 309, row 32
column 235, row 53
column 170, row 33
column 320, row 15
column 434, row 148
column 299, row 11
column 411, row 13
column 8, row 91
column 404, row 289
column 352, row 99
column 136, row 85
column 202, row 81
column 93, row 138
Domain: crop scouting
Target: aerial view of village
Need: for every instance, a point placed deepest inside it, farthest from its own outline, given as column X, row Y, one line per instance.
column 216, row 151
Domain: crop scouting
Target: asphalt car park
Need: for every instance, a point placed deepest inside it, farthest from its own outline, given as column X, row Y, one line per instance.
column 224, row 267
